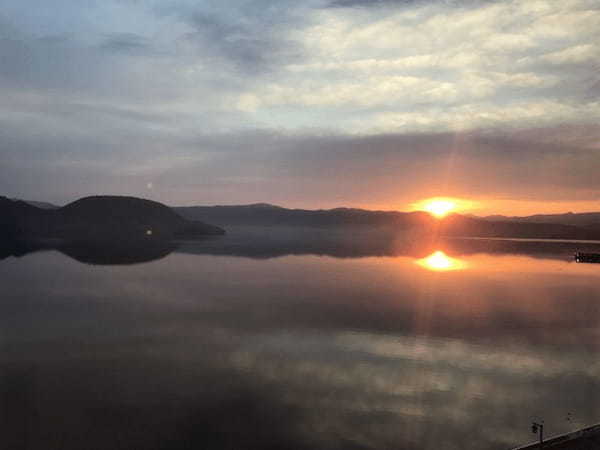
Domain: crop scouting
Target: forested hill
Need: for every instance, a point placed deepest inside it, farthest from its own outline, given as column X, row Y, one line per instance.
column 99, row 217
column 265, row 215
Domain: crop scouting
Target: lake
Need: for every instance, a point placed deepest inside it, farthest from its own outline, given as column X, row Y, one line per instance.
column 299, row 341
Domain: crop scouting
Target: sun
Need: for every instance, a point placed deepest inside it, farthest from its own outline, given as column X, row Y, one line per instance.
column 439, row 208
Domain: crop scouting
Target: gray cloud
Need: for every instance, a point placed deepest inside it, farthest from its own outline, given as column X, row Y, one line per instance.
column 244, row 47
column 126, row 42
column 302, row 169
column 55, row 63
column 253, row 42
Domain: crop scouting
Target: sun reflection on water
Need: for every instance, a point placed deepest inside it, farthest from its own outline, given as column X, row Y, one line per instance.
column 440, row 262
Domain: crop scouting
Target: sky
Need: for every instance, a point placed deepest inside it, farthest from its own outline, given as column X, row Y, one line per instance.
column 313, row 104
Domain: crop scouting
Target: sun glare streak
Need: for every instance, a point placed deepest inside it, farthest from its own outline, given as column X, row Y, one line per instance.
column 440, row 262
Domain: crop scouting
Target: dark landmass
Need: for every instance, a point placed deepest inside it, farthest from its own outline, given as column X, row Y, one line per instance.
column 100, row 218
column 126, row 219
column 262, row 214
column 586, row 220
column 265, row 215
column 458, row 225
column 43, row 205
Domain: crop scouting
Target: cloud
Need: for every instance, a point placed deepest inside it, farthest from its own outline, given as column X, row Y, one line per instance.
column 486, row 115
column 572, row 55
column 125, row 42
column 404, row 3
column 299, row 104
column 487, row 60
column 251, row 43
column 304, row 169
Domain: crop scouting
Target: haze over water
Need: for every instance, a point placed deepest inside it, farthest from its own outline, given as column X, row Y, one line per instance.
column 455, row 350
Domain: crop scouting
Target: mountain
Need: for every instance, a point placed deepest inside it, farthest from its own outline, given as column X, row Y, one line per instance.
column 105, row 218
column 42, row 205
column 587, row 220
column 348, row 218
column 458, row 225
column 269, row 215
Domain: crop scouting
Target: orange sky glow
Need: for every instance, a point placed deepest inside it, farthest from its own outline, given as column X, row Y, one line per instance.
column 490, row 206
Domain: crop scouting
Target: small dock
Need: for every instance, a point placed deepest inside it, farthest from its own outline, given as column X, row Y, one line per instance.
column 583, row 439
column 582, row 257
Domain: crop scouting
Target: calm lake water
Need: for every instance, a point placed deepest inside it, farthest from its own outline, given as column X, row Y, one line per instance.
column 287, row 343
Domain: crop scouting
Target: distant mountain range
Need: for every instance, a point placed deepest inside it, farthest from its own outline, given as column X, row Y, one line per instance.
column 42, row 205
column 104, row 218
column 588, row 220
column 265, row 215
column 128, row 218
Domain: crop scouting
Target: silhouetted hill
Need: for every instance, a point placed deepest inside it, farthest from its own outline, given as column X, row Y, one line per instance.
column 458, row 225
column 42, row 205
column 98, row 218
column 270, row 215
column 586, row 220
column 345, row 218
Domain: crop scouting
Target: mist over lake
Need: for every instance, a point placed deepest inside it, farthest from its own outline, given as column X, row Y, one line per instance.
column 292, row 340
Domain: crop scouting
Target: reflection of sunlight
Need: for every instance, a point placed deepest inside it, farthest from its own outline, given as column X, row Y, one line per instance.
column 440, row 262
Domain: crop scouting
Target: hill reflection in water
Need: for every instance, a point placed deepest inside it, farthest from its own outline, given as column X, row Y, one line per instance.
column 94, row 253
column 265, row 243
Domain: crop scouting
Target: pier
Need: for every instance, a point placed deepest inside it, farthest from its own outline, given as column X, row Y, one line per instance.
column 583, row 439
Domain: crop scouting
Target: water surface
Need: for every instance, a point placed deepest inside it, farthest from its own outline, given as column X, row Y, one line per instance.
column 282, row 343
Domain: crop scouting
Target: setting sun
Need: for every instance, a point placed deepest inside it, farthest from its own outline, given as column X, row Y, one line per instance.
column 441, row 206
